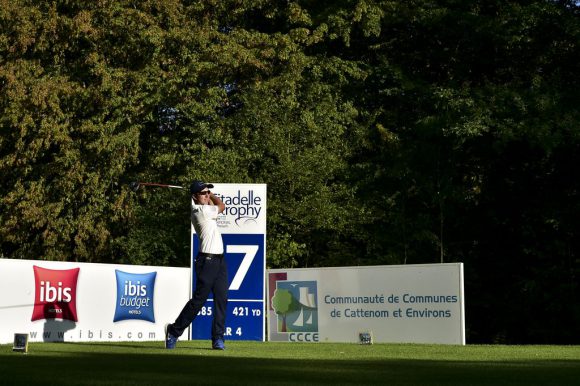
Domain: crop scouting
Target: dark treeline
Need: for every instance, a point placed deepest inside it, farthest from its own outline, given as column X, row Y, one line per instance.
column 388, row 132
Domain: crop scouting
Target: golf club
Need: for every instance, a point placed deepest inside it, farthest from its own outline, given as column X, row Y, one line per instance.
column 135, row 185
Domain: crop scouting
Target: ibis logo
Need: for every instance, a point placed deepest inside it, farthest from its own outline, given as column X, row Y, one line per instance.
column 135, row 296
column 55, row 295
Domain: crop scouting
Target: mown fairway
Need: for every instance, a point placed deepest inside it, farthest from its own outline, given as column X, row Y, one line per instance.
column 287, row 364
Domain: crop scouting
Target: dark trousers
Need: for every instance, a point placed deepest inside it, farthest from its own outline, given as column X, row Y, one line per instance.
column 211, row 274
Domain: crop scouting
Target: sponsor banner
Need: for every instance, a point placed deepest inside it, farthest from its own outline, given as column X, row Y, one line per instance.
column 75, row 302
column 390, row 304
column 243, row 229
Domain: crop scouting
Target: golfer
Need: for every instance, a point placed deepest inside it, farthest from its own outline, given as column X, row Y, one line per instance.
column 210, row 268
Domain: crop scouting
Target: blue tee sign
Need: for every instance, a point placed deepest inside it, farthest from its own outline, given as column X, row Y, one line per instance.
column 243, row 228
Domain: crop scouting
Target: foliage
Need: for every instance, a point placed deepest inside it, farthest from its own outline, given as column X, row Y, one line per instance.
column 388, row 133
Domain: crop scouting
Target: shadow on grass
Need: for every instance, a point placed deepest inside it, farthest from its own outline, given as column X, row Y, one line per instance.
column 88, row 368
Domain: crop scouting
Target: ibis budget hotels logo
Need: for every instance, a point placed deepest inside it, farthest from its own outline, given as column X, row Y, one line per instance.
column 295, row 304
column 135, row 296
column 56, row 294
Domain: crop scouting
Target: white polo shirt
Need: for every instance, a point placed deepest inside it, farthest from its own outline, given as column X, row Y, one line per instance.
column 204, row 220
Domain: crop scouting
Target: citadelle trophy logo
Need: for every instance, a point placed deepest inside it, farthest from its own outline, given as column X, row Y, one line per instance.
column 56, row 294
column 295, row 305
column 244, row 208
column 135, row 296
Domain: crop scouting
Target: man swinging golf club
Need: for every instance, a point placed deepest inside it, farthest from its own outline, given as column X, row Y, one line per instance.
column 210, row 268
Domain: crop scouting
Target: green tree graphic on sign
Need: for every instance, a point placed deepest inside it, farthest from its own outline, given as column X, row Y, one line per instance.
column 283, row 303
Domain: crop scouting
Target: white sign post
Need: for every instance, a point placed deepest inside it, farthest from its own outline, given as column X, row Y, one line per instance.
column 397, row 304
column 243, row 229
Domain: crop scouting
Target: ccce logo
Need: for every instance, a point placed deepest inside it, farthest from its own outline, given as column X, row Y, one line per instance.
column 55, row 294
column 295, row 305
column 135, row 296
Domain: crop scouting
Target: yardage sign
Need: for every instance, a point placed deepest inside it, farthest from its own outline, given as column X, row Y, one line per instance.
column 243, row 228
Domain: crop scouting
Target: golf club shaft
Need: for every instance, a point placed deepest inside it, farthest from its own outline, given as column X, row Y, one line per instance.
column 161, row 185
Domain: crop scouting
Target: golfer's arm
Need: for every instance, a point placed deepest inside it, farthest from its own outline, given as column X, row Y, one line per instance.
column 217, row 201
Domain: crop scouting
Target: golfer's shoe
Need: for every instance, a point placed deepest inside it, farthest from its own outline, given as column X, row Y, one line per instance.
column 218, row 344
column 170, row 340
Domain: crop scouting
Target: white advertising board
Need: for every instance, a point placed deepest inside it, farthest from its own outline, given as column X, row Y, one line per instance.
column 78, row 302
column 394, row 304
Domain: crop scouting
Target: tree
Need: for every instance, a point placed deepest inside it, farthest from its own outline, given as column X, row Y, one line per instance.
column 387, row 132
column 283, row 304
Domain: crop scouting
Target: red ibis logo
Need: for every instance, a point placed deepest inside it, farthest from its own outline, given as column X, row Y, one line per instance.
column 55, row 295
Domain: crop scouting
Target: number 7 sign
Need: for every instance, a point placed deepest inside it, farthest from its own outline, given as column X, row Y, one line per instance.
column 249, row 252
column 243, row 228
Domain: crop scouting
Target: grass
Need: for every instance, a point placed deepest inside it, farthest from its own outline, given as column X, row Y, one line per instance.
column 251, row 363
